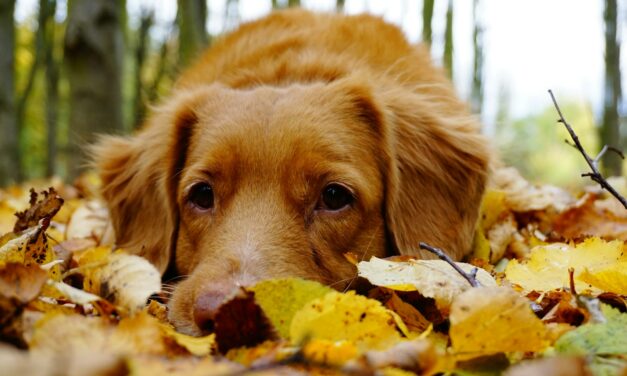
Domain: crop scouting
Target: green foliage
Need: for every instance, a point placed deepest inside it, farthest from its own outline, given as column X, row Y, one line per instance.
column 535, row 144
column 606, row 342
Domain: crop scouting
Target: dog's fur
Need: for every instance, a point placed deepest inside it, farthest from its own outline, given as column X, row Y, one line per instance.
column 268, row 116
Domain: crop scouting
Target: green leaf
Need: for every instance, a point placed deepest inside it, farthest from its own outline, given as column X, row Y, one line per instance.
column 606, row 342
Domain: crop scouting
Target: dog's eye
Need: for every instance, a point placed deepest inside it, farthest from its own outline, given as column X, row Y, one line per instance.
column 336, row 197
column 201, row 196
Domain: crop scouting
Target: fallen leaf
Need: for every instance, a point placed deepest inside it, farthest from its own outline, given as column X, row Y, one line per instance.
column 241, row 322
column 326, row 352
column 418, row 356
column 31, row 247
column 605, row 342
column 47, row 207
column 432, row 278
column 125, row 280
column 412, row 318
column 347, row 317
column 198, row 346
column 489, row 320
column 280, row 299
column 598, row 265
column 91, row 221
column 593, row 217
column 523, row 196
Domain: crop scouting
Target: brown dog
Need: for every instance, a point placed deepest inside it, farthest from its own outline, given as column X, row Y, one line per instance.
column 293, row 140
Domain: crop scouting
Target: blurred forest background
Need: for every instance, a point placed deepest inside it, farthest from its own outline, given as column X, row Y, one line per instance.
column 71, row 69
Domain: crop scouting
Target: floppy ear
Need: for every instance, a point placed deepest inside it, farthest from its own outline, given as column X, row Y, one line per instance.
column 437, row 173
column 139, row 179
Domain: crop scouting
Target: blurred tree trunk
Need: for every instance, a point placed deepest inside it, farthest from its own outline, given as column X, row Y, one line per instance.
column 293, row 3
column 275, row 4
column 476, row 95
column 52, row 83
column 427, row 16
column 94, row 49
column 24, row 96
column 191, row 18
column 9, row 157
column 141, row 48
column 448, row 40
column 610, row 131
column 339, row 6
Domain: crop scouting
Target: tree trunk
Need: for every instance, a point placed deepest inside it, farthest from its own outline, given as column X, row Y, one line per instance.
column 94, row 51
column 139, row 97
column 191, row 17
column 448, row 40
column 427, row 16
column 52, row 84
column 610, row 131
column 476, row 95
column 293, row 3
column 9, row 155
column 339, row 6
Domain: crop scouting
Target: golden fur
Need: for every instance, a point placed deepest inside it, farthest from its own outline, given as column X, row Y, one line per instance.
column 268, row 116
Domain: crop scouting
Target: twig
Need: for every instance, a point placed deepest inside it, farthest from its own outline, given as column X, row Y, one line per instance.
column 471, row 278
column 595, row 175
column 571, row 278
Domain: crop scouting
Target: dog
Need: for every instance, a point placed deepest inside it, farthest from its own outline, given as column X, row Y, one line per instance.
column 293, row 140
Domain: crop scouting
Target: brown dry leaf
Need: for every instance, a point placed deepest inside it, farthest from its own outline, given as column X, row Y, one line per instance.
column 489, row 320
column 47, row 207
column 559, row 306
column 241, row 322
column 593, row 217
column 522, row 196
column 432, row 278
column 19, row 285
column 413, row 319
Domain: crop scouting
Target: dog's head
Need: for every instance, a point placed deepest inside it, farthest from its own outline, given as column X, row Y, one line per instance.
column 233, row 186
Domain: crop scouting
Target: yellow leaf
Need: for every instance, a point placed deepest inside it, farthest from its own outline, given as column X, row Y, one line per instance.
column 432, row 278
column 612, row 278
column 596, row 262
column 489, row 320
column 347, row 317
column 30, row 248
column 199, row 346
column 280, row 299
column 333, row 353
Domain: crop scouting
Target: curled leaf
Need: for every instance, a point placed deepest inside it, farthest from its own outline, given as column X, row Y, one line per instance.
column 432, row 278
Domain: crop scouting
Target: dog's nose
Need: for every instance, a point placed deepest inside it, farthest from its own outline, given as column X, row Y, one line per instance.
column 206, row 307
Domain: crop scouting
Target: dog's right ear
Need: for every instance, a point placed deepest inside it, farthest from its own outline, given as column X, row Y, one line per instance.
column 139, row 179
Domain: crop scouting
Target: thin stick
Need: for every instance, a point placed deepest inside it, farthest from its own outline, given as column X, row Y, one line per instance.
column 471, row 278
column 571, row 278
column 595, row 175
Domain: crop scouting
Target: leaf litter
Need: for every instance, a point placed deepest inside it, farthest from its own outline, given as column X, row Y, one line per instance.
column 71, row 303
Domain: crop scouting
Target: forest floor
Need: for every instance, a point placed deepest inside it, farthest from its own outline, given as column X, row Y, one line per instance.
column 544, row 291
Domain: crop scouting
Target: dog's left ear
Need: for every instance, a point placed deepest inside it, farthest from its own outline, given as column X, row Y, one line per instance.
column 437, row 171
column 139, row 179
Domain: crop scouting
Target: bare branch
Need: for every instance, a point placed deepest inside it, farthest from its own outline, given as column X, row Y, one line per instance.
column 471, row 278
column 595, row 175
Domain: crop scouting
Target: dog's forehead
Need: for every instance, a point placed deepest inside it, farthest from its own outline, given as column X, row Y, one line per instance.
column 267, row 122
